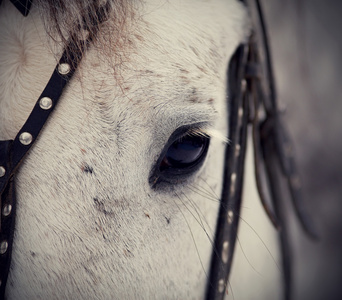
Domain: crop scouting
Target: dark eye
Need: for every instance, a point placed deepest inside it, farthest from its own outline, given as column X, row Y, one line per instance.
column 182, row 156
column 185, row 152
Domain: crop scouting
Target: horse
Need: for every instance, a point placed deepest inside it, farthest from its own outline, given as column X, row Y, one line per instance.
column 119, row 197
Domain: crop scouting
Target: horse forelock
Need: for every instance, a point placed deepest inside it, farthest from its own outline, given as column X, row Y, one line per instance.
column 62, row 15
column 63, row 18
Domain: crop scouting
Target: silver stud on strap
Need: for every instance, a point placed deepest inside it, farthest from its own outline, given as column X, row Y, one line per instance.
column 232, row 184
column 230, row 216
column 64, row 68
column 45, row 103
column 221, row 286
column 25, row 138
column 240, row 112
column 3, row 247
column 225, row 252
column 243, row 85
column 237, row 150
column 2, row 171
column 6, row 211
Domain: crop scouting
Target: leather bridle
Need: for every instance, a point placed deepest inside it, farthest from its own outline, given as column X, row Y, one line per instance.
column 251, row 93
column 252, row 102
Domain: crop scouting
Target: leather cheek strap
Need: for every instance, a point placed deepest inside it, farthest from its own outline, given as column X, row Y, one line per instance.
column 13, row 152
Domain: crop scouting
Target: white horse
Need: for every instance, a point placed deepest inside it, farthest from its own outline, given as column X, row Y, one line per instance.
column 90, row 224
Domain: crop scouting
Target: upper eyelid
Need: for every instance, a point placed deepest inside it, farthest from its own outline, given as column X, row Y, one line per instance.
column 207, row 131
column 197, row 128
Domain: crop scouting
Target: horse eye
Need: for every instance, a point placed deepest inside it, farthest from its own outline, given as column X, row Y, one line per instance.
column 184, row 153
column 182, row 156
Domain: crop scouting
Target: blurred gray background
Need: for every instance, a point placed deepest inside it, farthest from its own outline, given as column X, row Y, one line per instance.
column 306, row 44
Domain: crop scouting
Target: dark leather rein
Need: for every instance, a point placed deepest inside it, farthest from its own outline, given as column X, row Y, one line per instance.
column 251, row 90
column 252, row 102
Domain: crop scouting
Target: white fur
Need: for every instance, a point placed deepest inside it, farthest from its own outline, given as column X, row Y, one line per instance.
column 106, row 234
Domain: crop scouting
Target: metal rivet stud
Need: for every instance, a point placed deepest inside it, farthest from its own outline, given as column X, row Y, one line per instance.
column 3, row 247
column 230, row 216
column 7, row 210
column 45, row 103
column 237, row 150
column 225, row 252
column 232, row 184
column 2, row 171
column 221, row 286
column 240, row 112
column 25, row 138
column 63, row 68
column 243, row 85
